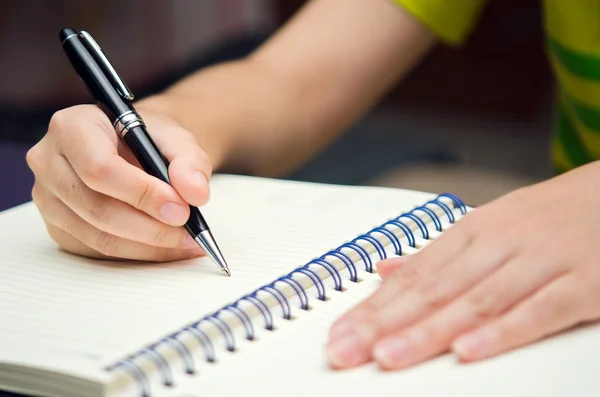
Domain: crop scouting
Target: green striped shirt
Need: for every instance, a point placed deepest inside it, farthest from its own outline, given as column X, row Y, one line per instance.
column 573, row 45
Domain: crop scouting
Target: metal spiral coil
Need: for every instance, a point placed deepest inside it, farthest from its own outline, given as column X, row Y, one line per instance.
column 341, row 253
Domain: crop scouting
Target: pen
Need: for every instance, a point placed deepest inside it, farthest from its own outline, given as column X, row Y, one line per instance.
column 114, row 98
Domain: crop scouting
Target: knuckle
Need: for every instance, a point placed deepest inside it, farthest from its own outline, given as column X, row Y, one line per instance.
column 106, row 243
column 146, row 192
column 36, row 196
column 33, row 157
column 71, row 191
column 544, row 308
column 161, row 236
column 96, row 169
column 43, row 201
column 562, row 305
column 57, row 121
column 56, row 234
column 483, row 304
column 366, row 308
column 408, row 277
column 431, row 294
column 161, row 254
column 75, row 227
column 463, row 232
column 102, row 211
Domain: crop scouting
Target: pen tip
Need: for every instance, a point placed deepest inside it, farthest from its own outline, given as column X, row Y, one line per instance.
column 208, row 244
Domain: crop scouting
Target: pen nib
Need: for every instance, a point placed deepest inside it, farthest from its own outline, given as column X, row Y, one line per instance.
column 208, row 244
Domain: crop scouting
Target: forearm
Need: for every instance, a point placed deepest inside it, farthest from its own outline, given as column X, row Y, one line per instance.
column 224, row 107
column 268, row 113
column 343, row 56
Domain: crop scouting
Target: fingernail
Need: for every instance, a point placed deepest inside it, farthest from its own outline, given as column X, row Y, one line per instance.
column 340, row 328
column 174, row 213
column 346, row 351
column 200, row 179
column 469, row 346
column 392, row 352
column 189, row 242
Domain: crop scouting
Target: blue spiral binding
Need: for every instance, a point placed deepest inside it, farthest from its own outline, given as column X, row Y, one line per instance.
column 297, row 288
column 183, row 352
column 243, row 317
column 458, row 203
column 346, row 261
column 422, row 226
column 402, row 226
column 262, row 307
column 444, row 208
column 136, row 372
column 391, row 236
column 376, row 244
column 364, row 255
column 281, row 299
column 314, row 277
column 335, row 273
column 140, row 376
column 161, row 364
column 223, row 328
column 204, row 340
column 436, row 219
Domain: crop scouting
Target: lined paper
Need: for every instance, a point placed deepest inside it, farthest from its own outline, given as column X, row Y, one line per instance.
column 68, row 314
column 99, row 311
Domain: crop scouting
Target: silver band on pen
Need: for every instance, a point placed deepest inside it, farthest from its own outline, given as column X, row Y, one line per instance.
column 127, row 121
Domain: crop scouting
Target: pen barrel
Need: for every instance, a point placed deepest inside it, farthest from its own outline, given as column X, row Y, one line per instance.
column 147, row 153
column 154, row 163
column 95, row 79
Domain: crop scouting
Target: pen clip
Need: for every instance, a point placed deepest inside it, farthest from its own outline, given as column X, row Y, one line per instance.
column 99, row 55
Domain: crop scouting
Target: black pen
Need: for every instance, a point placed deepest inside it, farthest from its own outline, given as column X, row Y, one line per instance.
column 114, row 98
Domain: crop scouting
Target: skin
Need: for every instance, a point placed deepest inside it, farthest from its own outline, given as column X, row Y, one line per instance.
column 499, row 279
column 514, row 271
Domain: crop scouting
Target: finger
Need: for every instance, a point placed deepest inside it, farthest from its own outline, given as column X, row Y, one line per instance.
column 189, row 168
column 89, row 143
column 436, row 291
column 412, row 302
column 71, row 244
column 105, row 213
column 489, row 299
column 43, row 200
column 105, row 245
column 550, row 310
column 421, row 265
column 387, row 267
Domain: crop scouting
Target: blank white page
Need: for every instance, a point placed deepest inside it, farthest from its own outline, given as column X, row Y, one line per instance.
column 77, row 315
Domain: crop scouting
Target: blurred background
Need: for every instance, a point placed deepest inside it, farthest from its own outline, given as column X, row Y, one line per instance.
column 475, row 121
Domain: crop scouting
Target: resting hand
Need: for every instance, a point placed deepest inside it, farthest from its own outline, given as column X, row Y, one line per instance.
column 516, row 270
column 97, row 202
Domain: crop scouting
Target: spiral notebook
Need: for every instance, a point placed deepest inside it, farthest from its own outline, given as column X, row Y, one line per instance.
column 301, row 254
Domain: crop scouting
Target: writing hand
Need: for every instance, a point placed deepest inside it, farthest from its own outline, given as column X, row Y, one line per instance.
column 95, row 199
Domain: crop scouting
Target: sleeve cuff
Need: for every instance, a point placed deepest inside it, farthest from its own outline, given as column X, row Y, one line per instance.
column 450, row 20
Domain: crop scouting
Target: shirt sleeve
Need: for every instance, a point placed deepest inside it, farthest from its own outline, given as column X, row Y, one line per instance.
column 450, row 20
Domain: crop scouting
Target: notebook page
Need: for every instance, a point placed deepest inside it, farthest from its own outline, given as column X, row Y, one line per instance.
column 95, row 312
column 291, row 362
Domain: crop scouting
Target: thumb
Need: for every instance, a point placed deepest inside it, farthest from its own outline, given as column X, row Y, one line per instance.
column 189, row 168
column 190, row 173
